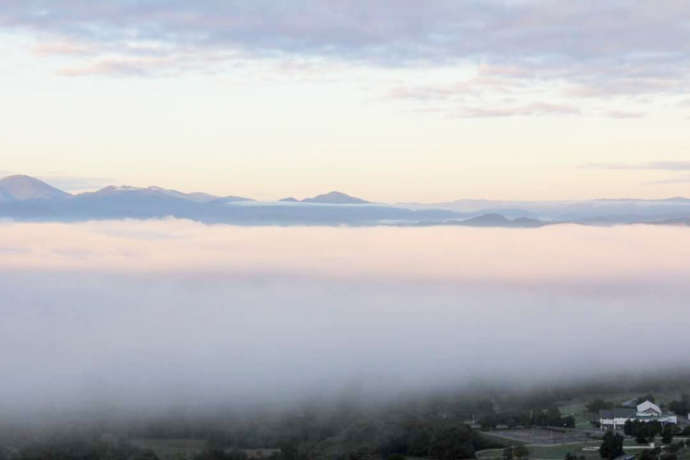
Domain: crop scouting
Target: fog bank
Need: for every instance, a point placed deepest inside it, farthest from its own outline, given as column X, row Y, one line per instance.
column 157, row 313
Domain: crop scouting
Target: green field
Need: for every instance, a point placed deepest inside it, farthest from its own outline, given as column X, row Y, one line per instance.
column 560, row 450
column 557, row 451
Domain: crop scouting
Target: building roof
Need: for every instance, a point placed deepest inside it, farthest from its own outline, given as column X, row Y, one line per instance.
column 618, row 412
column 648, row 405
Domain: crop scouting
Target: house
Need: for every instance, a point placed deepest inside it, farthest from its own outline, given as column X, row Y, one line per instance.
column 646, row 411
column 615, row 419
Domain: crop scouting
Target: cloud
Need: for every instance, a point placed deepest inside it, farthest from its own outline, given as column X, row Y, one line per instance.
column 674, row 180
column 120, row 66
column 492, row 92
column 650, row 166
column 361, row 29
column 61, row 48
column 471, row 87
column 623, row 114
column 598, row 48
column 145, row 314
column 533, row 109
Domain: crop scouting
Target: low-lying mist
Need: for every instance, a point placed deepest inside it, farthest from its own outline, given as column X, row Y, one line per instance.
column 144, row 315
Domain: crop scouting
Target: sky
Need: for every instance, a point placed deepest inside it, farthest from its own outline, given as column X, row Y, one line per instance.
column 391, row 101
column 153, row 314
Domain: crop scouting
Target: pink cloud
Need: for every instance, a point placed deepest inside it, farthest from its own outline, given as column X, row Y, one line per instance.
column 62, row 48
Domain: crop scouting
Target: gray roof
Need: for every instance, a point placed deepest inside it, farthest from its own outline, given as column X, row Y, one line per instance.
column 618, row 412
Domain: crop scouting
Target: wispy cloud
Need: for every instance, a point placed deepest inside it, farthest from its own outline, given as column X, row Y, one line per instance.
column 118, row 66
column 649, row 166
column 599, row 48
column 62, row 48
column 492, row 92
column 673, row 180
column 623, row 114
column 533, row 109
column 553, row 58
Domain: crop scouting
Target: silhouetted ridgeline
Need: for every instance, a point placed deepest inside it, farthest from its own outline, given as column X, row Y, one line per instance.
column 27, row 198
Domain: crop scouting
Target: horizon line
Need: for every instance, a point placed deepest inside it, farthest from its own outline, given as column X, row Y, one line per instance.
column 46, row 180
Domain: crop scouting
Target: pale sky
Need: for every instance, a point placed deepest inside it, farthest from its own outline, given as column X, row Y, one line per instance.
column 391, row 100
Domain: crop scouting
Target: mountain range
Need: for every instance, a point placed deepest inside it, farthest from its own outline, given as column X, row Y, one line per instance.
column 28, row 198
column 597, row 211
column 21, row 188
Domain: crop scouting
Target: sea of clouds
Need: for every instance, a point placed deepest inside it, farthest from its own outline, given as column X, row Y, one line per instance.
column 156, row 313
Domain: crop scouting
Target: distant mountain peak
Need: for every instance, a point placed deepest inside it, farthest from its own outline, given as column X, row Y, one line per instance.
column 22, row 188
column 119, row 188
column 499, row 220
column 152, row 191
column 335, row 197
column 488, row 219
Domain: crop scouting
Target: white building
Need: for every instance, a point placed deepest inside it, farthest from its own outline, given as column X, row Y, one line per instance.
column 647, row 411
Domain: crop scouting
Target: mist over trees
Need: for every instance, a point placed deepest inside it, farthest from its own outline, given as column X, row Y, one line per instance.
column 681, row 406
column 255, row 338
column 436, row 425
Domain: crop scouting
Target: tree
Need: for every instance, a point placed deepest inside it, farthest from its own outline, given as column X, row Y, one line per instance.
column 145, row 455
column 667, row 434
column 569, row 421
column 219, row 454
column 675, row 447
column 653, row 428
column 488, row 422
column 289, row 450
column 553, row 417
column 648, row 397
column 520, row 451
column 681, row 407
column 395, row 457
column 452, row 442
column 628, row 428
column 647, row 454
column 612, row 445
column 598, row 404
